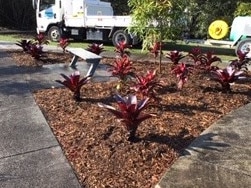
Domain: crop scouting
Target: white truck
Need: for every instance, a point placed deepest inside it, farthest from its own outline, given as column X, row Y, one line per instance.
column 82, row 19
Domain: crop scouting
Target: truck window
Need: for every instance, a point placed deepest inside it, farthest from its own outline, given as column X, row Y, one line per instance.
column 45, row 4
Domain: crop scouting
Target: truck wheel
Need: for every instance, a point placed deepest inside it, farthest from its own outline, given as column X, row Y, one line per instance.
column 244, row 46
column 120, row 36
column 54, row 34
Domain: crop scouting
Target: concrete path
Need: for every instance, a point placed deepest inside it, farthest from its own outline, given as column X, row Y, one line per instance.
column 30, row 156
column 219, row 158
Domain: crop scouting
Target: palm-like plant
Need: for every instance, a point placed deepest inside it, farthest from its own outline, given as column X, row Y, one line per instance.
column 241, row 62
column 196, row 54
column 63, row 43
column 227, row 76
column 129, row 112
column 155, row 50
column 24, row 44
column 146, row 85
column 35, row 51
column 74, row 83
column 207, row 60
column 175, row 56
column 122, row 69
column 182, row 72
column 40, row 39
column 123, row 49
column 95, row 48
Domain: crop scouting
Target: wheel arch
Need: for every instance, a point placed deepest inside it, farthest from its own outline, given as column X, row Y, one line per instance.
column 53, row 25
column 241, row 43
column 133, row 40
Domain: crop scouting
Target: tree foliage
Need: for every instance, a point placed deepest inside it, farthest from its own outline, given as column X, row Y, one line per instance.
column 243, row 9
column 155, row 20
column 201, row 13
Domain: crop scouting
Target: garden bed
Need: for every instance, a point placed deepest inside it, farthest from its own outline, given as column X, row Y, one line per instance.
column 96, row 144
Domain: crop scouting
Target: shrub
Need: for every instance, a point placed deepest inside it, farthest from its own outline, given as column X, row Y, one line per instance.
column 146, row 85
column 129, row 112
column 206, row 61
column 40, row 40
column 35, row 51
column 95, row 48
column 63, row 43
column 74, row 83
column 24, row 44
column 182, row 72
column 241, row 62
column 226, row 76
column 175, row 56
column 122, row 69
column 122, row 49
column 243, row 9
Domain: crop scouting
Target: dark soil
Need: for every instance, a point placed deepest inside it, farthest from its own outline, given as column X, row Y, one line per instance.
column 96, row 144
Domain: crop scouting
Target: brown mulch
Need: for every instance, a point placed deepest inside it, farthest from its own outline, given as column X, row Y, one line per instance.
column 95, row 143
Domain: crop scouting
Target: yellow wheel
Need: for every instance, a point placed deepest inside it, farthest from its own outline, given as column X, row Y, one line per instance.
column 218, row 29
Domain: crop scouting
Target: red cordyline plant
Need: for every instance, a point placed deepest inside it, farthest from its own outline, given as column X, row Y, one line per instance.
column 182, row 72
column 122, row 69
column 241, row 62
column 40, row 39
column 31, row 48
column 123, row 49
column 95, row 48
column 129, row 112
column 227, row 76
column 196, row 55
column 146, row 85
column 35, row 51
column 63, row 43
column 155, row 50
column 206, row 61
column 175, row 56
column 74, row 83
column 24, row 44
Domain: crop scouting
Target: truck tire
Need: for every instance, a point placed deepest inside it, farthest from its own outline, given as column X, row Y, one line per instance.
column 54, row 34
column 244, row 46
column 120, row 36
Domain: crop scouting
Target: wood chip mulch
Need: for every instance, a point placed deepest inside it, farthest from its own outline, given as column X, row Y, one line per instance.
column 96, row 145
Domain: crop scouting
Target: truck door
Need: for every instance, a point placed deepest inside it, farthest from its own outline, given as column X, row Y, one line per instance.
column 48, row 12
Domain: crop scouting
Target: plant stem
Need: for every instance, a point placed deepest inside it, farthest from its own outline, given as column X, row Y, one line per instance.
column 132, row 133
column 76, row 95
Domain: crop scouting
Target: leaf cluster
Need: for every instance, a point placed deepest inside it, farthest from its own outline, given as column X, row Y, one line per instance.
column 95, row 48
column 74, row 83
column 63, row 43
column 129, row 112
column 155, row 18
column 34, row 47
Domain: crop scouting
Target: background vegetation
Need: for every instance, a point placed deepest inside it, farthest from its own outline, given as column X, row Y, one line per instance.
column 17, row 14
column 199, row 13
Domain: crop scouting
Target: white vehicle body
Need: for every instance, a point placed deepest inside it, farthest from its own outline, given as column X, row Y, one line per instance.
column 81, row 19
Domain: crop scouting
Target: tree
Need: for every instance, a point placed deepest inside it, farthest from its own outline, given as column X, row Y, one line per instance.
column 243, row 9
column 154, row 20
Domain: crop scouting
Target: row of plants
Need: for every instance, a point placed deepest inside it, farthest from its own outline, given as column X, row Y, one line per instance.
column 134, row 91
column 34, row 47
